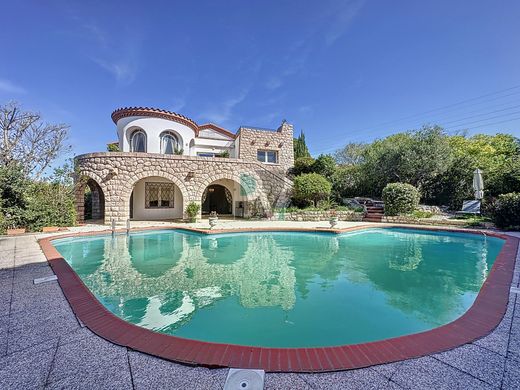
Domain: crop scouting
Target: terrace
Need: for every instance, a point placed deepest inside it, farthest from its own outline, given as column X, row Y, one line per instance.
column 44, row 345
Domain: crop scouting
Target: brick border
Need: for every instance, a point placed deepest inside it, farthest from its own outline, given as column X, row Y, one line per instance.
column 480, row 319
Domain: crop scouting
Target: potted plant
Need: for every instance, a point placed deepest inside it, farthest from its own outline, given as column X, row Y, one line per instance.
column 333, row 220
column 12, row 225
column 213, row 219
column 192, row 210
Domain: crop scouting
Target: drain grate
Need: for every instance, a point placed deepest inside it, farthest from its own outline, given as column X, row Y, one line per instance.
column 45, row 279
column 239, row 379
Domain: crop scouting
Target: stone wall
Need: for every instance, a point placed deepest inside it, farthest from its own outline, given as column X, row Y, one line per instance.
column 116, row 173
column 251, row 140
column 347, row 215
column 424, row 221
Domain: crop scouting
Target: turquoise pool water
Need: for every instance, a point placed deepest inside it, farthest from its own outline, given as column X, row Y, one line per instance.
column 285, row 289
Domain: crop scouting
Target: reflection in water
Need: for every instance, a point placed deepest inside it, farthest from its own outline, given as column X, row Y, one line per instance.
column 285, row 289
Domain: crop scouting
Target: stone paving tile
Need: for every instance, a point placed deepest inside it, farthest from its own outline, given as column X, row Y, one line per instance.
column 285, row 381
column 152, row 373
column 76, row 335
column 27, row 369
column 511, row 375
column 514, row 341
column 497, row 340
column 4, row 327
column 27, row 329
column 25, row 274
column 476, row 361
column 201, row 378
column 90, row 363
column 40, row 297
column 353, row 379
column 429, row 373
column 387, row 370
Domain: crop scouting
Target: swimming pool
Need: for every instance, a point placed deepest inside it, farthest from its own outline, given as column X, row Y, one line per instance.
column 285, row 289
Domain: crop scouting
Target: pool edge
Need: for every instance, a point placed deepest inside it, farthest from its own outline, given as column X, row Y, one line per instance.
column 479, row 320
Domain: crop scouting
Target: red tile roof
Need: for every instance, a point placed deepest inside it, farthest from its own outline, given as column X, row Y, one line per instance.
column 169, row 115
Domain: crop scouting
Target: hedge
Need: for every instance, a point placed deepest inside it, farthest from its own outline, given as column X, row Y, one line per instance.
column 400, row 198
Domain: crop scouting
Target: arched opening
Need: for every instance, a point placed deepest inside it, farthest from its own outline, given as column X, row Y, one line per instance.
column 156, row 198
column 218, row 199
column 93, row 202
column 225, row 197
column 170, row 143
column 138, row 141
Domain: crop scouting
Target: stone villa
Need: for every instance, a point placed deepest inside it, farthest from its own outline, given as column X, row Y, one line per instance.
column 167, row 161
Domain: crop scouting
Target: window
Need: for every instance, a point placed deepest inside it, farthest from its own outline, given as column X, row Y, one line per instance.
column 267, row 156
column 158, row 195
column 205, row 154
column 169, row 143
column 138, row 141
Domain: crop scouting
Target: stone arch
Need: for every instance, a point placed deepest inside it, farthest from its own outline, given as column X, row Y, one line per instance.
column 98, row 199
column 128, row 185
column 251, row 186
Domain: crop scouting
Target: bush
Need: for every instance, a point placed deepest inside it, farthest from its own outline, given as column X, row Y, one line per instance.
column 506, row 211
column 400, row 198
column 50, row 204
column 192, row 210
column 325, row 165
column 303, row 165
column 311, row 187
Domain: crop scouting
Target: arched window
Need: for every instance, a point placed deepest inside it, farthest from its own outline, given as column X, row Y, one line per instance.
column 138, row 141
column 170, row 143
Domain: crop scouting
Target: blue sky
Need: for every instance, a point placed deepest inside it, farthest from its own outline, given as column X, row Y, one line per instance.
column 339, row 70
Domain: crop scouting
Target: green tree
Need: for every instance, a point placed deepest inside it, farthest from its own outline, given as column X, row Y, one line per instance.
column 300, row 146
column 351, row 154
column 51, row 202
column 303, row 165
column 415, row 157
column 311, row 187
column 13, row 192
column 324, row 165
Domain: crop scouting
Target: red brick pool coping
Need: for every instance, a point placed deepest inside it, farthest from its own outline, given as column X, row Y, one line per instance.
column 481, row 318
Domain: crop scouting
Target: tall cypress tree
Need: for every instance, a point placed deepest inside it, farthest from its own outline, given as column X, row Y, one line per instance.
column 300, row 147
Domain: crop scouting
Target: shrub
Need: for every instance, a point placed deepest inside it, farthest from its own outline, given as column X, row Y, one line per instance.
column 311, row 187
column 325, row 165
column 506, row 211
column 422, row 214
column 400, row 198
column 303, row 165
column 50, row 204
column 192, row 210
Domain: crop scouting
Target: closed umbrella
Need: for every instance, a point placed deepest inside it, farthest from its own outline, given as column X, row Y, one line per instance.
column 478, row 184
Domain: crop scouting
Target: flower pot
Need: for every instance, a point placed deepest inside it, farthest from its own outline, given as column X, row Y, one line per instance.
column 14, row 232
column 212, row 222
column 333, row 221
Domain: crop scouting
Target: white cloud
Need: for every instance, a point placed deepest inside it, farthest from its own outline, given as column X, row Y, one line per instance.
column 10, row 87
column 273, row 83
column 222, row 112
column 178, row 104
column 123, row 71
column 341, row 20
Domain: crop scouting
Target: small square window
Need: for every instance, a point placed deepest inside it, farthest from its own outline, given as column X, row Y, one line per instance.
column 267, row 156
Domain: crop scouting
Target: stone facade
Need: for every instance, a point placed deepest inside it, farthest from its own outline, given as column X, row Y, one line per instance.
column 251, row 140
column 346, row 215
column 116, row 173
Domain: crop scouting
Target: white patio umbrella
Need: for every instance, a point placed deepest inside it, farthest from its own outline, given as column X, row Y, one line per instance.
column 478, row 184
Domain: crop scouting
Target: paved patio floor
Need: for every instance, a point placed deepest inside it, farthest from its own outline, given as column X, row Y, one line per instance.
column 43, row 345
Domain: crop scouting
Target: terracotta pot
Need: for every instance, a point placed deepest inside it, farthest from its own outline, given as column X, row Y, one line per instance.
column 50, row 229
column 14, row 232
